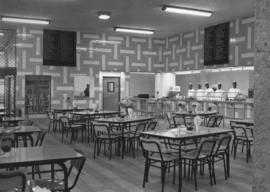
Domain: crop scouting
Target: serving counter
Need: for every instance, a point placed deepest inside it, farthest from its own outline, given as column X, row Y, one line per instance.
column 243, row 109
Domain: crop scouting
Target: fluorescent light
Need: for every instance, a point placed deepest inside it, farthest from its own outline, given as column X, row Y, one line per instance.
column 104, row 15
column 1, row 34
column 249, row 68
column 187, row 11
column 25, row 20
column 183, row 72
column 237, row 68
column 138, row 31
column 215, row 70
column 225, row 69
column 196, row 71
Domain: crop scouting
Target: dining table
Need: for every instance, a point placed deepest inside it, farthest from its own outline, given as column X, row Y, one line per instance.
column 123, row 123
column 45, row 155
column 21, row 131
column 91, row 115
column 181, row 135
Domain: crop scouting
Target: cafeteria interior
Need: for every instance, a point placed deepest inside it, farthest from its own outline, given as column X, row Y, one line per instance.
column 92, row 109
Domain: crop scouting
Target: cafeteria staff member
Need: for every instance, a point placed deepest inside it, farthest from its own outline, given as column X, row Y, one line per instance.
column 233, row 92
column 208, row 91
column 191, row 91
column 219, row 93
column 200, row 93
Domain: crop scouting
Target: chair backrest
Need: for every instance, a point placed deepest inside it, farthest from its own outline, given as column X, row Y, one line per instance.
column 219, row 119
column 211, row 121
column 151, row 126
column 169, row 118
column 150, row 146
column 50, row 115
column 101, row 129
column 206, row 147
column 12, row 181
column 65, row 121
column 239, row 131
column 40, row 138
column 189, row 120
column 179, row 120
column 140, row 127
column 223, row 144
column 78, row 165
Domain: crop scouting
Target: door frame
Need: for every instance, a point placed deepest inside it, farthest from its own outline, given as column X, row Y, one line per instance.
column 119, row 91
column 123, row 92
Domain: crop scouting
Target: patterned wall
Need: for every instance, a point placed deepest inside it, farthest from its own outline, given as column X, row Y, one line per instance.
column 185, row 51
column 103, row 52
column 95, row 53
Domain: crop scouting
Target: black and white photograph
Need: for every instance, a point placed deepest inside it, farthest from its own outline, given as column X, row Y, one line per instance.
column 134, row 95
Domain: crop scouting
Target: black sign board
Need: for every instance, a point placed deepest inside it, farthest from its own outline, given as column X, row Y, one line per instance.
column 217, row 44
column 59, row 48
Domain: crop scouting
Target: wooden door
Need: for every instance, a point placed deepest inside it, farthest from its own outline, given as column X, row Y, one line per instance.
column 111, row 93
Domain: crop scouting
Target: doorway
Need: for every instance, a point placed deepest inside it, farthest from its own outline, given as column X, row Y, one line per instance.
column 111, row 93
column 37, row 94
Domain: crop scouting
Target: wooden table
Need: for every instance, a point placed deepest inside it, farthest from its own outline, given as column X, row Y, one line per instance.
column 46, row 155
column 123, row 124
column 22, row 131
column 243, row 122
column 92, row 115
column 182, row 135
column 12, row 120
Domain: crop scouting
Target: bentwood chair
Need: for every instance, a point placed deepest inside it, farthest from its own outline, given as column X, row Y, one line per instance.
column 103, row 134
column 156, row 157
column 170, row 119
column 151, row 126
column 67, row 126
column 75, row 167
column 242, row 135
column 198, row 158
column 12, row 181
column 132, row 137
column 222, row 153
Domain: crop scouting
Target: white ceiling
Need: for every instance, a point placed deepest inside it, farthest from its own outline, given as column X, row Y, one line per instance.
column 82, row 14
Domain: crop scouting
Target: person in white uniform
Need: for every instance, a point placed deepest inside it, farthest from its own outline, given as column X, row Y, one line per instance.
column 219, row 93
column 200, row 93
column 191, row 91
column 208, row 91
column 233, row 92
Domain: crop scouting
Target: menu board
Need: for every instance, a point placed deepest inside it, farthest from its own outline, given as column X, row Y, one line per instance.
column 59, row 48
column 216, row 44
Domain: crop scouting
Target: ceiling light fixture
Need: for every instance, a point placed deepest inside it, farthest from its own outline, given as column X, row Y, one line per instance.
column 187, row 11
column 25, row 20
column 104, row 15
column 137, row 31
column 1, row 34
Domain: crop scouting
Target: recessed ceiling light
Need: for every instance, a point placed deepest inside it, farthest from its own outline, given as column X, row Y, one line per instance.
column 1, row 34
column 130, row 30
column 104, row 15
column 25, row 20
column 187, row 11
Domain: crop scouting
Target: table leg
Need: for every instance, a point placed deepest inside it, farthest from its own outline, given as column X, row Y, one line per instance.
column 123, row 139
column 180, row 167
column 63, row 166
column 228, row 162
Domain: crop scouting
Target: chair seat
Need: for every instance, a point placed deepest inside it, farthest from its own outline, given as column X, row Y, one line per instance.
column 166, row 157
column 193, row 155
column 108, row 137
column 52, row 185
